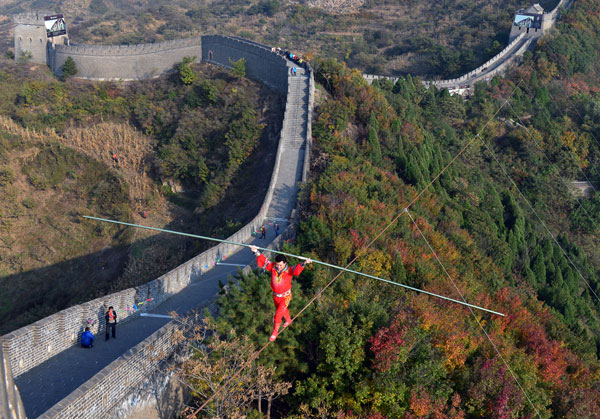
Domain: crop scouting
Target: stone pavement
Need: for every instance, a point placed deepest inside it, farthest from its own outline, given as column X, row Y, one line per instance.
column 47, row 384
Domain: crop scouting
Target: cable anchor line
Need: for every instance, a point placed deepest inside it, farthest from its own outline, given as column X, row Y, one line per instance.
column 464, row 303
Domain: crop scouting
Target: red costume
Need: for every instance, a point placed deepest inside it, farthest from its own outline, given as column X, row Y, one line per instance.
column 281, row 285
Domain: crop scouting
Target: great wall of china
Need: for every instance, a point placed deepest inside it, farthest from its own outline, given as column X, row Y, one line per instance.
column 520, row 41
column 115, row 390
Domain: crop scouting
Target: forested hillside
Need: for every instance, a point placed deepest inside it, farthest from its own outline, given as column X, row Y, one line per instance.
column 508, row 232
column 428, row 38
column 173, row 152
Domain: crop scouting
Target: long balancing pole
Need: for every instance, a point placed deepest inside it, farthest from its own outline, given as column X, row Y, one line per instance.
column 295, row 256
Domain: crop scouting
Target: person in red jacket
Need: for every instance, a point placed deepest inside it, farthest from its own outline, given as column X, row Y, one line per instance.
column 281, row 285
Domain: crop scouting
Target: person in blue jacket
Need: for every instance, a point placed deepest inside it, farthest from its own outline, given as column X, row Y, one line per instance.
column 87, row 338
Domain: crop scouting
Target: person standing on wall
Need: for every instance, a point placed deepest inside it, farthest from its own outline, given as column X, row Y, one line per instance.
column 281, row 285
column 111, row 322
column 276, row 229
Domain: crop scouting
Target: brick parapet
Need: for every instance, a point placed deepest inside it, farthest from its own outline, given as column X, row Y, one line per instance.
column 311, row 100
column 124, row 62
column 71, row 322
column 261, row 62
column 31, row 18
column 126, row 50
column 481, row 70
column 99, row 395
column 32, row 345
column 62, row 330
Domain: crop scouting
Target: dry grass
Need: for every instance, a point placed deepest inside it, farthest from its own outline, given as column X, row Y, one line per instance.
column 133, row 149
column 12, row 127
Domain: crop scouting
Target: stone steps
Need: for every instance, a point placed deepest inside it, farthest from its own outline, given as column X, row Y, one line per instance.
column 293, row 133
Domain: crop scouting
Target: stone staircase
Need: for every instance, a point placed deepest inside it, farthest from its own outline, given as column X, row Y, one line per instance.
column 113, row 379
column 294, row 130
column 292, row 143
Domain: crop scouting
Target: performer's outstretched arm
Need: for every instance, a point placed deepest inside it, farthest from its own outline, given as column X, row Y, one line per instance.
column 262, row 260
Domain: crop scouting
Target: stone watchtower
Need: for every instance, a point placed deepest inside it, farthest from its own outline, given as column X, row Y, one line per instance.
column 31, row 36
column 528, row 21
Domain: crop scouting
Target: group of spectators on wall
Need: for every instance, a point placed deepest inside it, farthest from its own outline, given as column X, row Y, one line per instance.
column 87, row 337
column 301, row 62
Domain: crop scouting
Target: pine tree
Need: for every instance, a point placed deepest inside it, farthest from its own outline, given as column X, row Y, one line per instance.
column 69, row 68
column 373, row 140
column 238, row 68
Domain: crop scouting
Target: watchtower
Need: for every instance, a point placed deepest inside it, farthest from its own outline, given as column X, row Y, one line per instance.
column 529, row 21
column 31, row 36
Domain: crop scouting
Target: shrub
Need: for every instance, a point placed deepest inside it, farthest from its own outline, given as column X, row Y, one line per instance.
column 6, row 176
column 238, row 67
column 186, row 74
column 29, row 203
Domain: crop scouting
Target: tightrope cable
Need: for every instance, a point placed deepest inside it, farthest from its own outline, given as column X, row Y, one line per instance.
column 295, row 256
column 359, row 253
column 510, row 179
column 256, row 354
column 472, row 312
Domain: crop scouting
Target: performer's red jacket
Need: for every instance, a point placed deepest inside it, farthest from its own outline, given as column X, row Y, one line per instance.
column 280, row 281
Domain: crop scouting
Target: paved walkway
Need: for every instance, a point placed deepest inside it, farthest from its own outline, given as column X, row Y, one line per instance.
column 47, row 384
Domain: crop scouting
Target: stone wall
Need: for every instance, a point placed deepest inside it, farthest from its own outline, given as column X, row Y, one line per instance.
column 480, row 71
column 30, row 35
column 124, row 62
column 97, row 396
column 11, row 406
column 32, row 345
column 261, row 63
column 311, row 103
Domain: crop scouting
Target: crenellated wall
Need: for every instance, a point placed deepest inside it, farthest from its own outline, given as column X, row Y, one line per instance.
column 483, row 70
column 124, row 62
column 145, row 61
column 30, row 35
column 311, row 103
column 497, row 64
column 32, row 345
column 261, row 63
column 97, row 396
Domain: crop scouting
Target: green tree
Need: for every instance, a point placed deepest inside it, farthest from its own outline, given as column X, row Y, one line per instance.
column 238, row 68
column 186, row 74
column 25, row 57
column 373, row 140
column 69, row 68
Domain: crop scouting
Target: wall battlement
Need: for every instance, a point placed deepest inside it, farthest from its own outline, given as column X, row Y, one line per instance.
column 124, row 62
column 34, row 344
column 31, row 18
column 495, row 65
column 126, row 50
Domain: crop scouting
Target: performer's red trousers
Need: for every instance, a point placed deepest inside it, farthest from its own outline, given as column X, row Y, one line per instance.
column 281, row 304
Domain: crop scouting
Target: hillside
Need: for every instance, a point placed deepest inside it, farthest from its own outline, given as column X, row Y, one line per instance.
column 498, row 226
column 464, row 198
column 173, row 167
column 434, row 39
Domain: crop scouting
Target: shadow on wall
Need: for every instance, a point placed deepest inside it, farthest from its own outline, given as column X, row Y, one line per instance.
column 30, row 296
column 284, row 200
